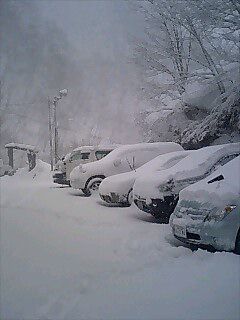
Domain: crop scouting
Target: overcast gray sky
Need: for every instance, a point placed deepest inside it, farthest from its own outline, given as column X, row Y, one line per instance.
column 96, row 27
column 103, row 84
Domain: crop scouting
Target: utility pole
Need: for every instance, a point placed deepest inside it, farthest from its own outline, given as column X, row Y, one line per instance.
column 50, row 132
column 53, row 128
column 55, row 131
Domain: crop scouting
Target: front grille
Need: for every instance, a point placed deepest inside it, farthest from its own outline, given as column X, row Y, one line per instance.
column 193, row 236
column 59, row 175
column 114, row 197
column 141, row 204
column 194, row 210
column 160, row 209
column 105, row 198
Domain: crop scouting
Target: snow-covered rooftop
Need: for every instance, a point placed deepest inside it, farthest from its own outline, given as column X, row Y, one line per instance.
column 22, row 146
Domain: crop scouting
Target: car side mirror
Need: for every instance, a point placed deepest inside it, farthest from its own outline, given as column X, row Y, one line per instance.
column 218, row 178
column 117, row 162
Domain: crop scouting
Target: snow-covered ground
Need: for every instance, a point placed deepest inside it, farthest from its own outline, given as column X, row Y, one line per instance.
column 64, row 256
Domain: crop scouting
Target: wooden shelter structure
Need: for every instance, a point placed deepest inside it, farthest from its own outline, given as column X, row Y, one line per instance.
column 31, row 153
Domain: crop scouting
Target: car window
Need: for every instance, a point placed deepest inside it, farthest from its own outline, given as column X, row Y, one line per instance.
column 85, row 155
column 101, row 154
column 75, row 156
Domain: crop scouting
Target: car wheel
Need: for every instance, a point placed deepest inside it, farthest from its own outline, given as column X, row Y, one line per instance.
column 86, row 192
column 93, row 186
column 237, row 244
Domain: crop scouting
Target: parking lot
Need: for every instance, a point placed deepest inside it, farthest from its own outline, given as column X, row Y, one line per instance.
column 66, row 256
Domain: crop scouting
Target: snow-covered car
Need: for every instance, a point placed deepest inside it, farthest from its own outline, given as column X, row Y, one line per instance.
column 208, row 212
column 80, row 155
column 126, row 158
column 158, row 193
column 117, row 189
column 5, row 169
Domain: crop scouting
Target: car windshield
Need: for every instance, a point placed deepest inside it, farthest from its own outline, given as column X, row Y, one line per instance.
column 101, row 154
column 164, row 161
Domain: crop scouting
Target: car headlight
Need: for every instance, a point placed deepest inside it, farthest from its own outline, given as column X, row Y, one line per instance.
column 83, row 170
column 167, row 187
column 220, row 215
column 80, row 169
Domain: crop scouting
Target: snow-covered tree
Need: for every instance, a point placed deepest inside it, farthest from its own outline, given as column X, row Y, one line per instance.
column 190, row 62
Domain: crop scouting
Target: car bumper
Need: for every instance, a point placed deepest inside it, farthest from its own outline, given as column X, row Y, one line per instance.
column 157, row 207
column 60, row 178
column 113, row 198
column 76, row 184
column 204, row 234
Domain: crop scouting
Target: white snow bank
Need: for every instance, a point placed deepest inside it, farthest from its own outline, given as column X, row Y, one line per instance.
column 41, row 173
column 65, row 256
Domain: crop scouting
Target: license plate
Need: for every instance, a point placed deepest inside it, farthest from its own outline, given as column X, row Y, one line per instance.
column 180, row 231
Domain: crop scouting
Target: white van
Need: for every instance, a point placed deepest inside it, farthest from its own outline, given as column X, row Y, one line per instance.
column 78, row 156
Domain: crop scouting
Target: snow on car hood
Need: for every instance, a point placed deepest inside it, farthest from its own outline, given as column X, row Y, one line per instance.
column 75, row 173
column 119, row 183
column 194, row 165
column 219, row 193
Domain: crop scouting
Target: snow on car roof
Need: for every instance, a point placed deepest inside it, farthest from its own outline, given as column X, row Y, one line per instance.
column 195, row 164
column 92, row 148
column 140, row 146
column 163, row 161
column 82, row 147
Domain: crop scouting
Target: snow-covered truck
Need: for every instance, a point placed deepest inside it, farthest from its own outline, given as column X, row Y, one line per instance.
column 80, row 155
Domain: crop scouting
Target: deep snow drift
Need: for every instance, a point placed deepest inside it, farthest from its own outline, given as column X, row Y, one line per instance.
column 64, row 256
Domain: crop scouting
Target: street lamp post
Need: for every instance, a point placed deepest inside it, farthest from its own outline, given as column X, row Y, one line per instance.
column 50, row 132
column 53, row 130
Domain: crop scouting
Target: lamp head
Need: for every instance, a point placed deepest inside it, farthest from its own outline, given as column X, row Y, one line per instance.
column 63, row 92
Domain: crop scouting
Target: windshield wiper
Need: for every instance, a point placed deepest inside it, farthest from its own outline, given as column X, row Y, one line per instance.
column 218, row 178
